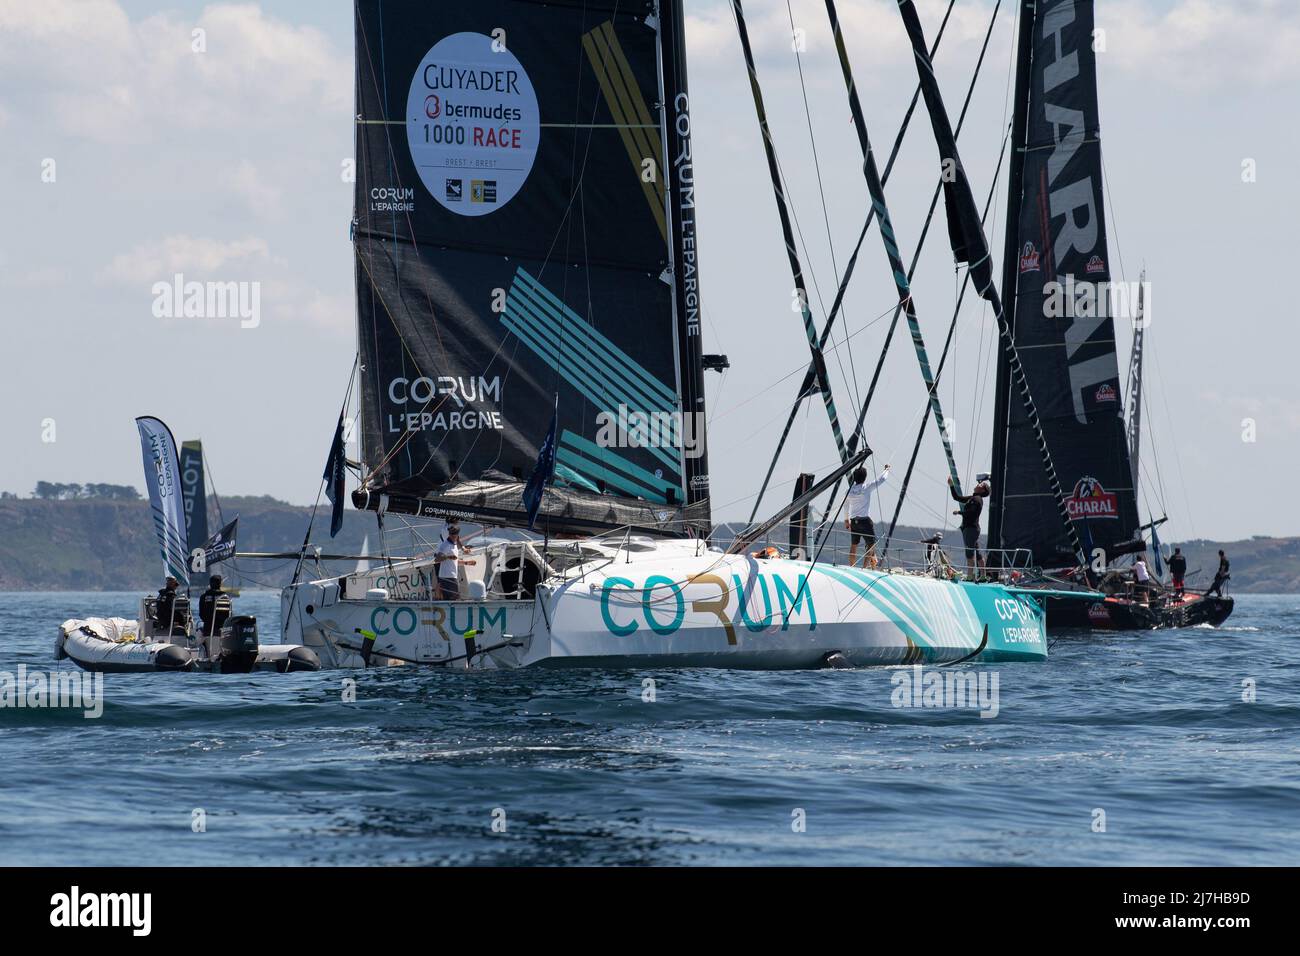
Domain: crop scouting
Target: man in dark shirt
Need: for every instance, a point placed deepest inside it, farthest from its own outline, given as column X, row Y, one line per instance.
column 1220, row 576
column 972, row 506
column 171, row 613
column 214, row 606
column 1177, row 571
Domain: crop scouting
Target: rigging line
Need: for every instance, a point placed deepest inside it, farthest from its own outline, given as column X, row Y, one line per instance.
column 852, row 375
column 887, row 235
column 978, row 257
column 800, row 369
column 221, row 517
column 320, row 490
column 796, row 269
column 844, row 281
column 943, row 359
column 920, row 243
column 803, row 243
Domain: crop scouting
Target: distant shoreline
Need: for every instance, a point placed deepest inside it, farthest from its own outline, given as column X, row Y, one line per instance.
column 107, row 545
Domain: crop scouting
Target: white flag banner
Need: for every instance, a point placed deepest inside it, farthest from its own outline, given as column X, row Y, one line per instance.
column 162, row 476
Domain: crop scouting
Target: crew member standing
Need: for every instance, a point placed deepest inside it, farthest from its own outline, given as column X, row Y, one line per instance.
column 449, row 560
column 859, row 523
column 1220, row 576
column 1178, row 571
column 972, row 506
column 1142, row 588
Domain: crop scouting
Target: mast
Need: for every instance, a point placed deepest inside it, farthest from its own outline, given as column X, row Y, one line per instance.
column 1135, row 382
column 679, row 169
column 887, row 235
column 821, row 379
column 1010, row 260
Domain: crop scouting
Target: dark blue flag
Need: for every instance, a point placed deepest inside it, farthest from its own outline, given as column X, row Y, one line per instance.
column 335, row 470
column 221, row 546
column 542, row 474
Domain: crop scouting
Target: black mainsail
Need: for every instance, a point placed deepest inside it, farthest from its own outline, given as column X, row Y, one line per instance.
column 1056, row 287
column 969, row 245
column 524, row 232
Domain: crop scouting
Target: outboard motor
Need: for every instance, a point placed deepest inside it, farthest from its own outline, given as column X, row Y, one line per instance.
column 239, row 645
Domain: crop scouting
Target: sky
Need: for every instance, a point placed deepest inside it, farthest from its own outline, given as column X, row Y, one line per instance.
column 128, row 156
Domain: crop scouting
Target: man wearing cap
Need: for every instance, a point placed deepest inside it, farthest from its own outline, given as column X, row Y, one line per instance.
column 214, row 606
column 448, row 560
column 170, row 614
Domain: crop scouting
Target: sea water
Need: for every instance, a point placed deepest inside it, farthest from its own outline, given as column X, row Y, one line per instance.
column 1163, row 747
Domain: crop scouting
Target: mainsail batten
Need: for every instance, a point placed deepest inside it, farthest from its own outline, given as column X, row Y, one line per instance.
column 513, row 236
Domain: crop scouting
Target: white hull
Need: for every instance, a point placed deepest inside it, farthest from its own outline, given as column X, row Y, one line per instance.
column 669, row 604
column 117, row 645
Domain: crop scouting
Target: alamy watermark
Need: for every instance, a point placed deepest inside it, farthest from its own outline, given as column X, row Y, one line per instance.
column 1079, row 299
column 632, row 428
column 40, row 690
column 972, row 688
column 179, row 299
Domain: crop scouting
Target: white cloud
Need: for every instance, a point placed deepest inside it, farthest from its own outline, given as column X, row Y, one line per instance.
column 253, row 186
column 152, row 261
column 98, row 74
column 1199, row 44
column 872, row 29
column 1189, row 44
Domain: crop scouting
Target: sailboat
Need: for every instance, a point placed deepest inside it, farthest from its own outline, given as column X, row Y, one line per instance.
column 528, row 301
column 1060, row 306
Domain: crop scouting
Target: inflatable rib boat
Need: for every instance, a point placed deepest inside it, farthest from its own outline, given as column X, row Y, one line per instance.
column 117, row 645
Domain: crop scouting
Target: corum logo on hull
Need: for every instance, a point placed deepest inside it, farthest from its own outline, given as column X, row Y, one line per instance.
column 1091, row 500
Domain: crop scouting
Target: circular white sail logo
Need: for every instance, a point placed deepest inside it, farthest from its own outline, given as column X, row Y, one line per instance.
column 472, row 124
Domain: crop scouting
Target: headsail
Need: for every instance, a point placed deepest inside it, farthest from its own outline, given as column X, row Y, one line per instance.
column 1061, row 310
column 520, row 233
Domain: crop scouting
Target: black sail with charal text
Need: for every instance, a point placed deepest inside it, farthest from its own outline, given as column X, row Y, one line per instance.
column 1062, row 322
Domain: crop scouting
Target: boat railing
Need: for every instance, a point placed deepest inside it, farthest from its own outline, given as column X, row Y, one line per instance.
column 925, row 556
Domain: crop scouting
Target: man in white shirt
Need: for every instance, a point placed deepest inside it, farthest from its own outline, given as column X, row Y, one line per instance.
column 448, row 560
column 1141, row 578
column 859, row 523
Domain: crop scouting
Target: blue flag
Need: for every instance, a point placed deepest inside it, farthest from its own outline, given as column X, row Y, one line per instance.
column 335, row 470
column 542, row 474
